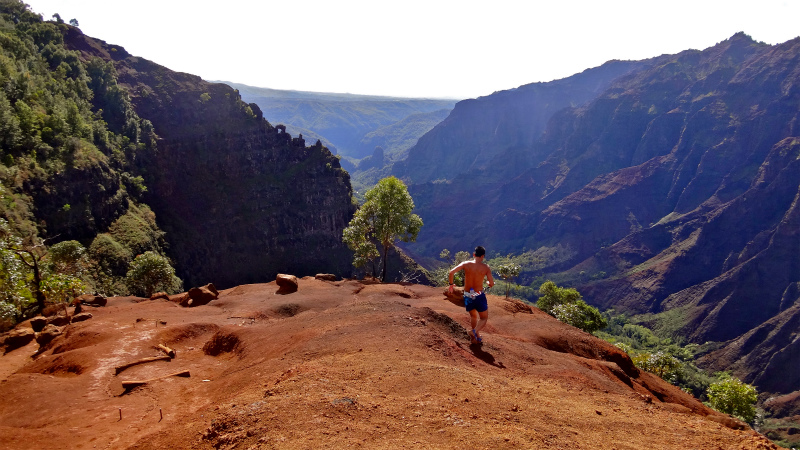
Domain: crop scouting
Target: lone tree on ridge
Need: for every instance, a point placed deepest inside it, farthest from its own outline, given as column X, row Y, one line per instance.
column 384, row 218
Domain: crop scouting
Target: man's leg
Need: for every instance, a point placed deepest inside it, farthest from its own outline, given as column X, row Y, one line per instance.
column 473, row 320
column 484, row 317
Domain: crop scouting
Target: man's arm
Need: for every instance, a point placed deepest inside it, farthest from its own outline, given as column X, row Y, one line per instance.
column 489, row 277
column 452, row 273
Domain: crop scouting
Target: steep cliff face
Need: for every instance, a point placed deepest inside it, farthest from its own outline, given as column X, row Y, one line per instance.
column 674, row 192
column 240, row 200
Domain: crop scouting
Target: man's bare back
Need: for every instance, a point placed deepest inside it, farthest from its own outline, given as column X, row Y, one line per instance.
column 474, row 272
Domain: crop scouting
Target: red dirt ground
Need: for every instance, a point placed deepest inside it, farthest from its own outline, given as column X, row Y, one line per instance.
column 342, row 365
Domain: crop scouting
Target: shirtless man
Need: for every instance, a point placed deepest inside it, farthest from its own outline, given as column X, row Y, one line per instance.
column 477, row 307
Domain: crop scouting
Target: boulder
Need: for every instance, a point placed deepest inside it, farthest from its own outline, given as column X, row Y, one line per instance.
column 47, row 334
column 200, row 295
column 58, row 321
column 81, row 317
column 286, row 283
column 15, row 339
column 38, row 323
column 325, row 277
column 91, row 300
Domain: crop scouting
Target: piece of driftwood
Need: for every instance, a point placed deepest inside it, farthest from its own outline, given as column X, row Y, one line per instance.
column 119, row 369
column 170, row 352
column 134, row 383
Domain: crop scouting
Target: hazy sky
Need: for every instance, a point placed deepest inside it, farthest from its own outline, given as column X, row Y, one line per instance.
column 414, row 48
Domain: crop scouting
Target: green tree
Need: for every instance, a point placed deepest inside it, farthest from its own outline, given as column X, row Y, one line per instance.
column 567, row 305
column 732, row 396
column 385, row 217
column 508, row 272
column 151, row 272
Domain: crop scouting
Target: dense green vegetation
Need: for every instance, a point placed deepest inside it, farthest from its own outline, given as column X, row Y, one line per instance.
column 70, row 142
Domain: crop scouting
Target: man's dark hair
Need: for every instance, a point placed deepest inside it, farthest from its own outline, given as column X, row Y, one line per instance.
column 480, row 251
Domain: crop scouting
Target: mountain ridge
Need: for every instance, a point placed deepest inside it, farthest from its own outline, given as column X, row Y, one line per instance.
column 671, row 195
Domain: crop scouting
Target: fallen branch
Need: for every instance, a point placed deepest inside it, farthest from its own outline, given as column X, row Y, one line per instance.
column 170, row 352
column 135, row 383
column 119, row 369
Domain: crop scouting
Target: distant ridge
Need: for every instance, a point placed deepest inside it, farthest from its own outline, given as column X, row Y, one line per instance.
column 340, row 121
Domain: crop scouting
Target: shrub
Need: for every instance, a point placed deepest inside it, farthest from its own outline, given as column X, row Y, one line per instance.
column 731, row 396
column 151, row 272
column 567, row 305
column 580, row 315
column 61, row 288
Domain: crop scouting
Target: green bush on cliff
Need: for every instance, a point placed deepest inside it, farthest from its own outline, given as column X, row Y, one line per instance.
column 567, row 305
column 730, row 396
column 150, row 273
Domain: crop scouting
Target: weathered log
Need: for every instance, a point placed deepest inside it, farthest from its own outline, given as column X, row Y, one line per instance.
column 170, row 352
column 119, row 369
column 135, row 383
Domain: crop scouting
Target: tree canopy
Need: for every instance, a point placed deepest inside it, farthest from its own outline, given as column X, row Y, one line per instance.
column 384, row 218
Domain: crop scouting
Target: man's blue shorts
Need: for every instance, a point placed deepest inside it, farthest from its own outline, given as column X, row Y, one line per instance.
column 479, row 303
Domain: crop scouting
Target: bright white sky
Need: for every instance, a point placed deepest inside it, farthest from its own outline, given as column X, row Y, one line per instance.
column 414, row 48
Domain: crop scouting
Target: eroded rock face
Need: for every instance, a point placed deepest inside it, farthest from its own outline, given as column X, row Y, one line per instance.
column 223, row 179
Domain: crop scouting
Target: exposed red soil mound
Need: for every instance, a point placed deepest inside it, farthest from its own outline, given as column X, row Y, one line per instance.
column 339, row 365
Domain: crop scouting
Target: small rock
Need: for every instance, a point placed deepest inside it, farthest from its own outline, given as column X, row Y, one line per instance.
column 286, row 283
column 159, row 295
column 325, row 277
column 81, row 317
